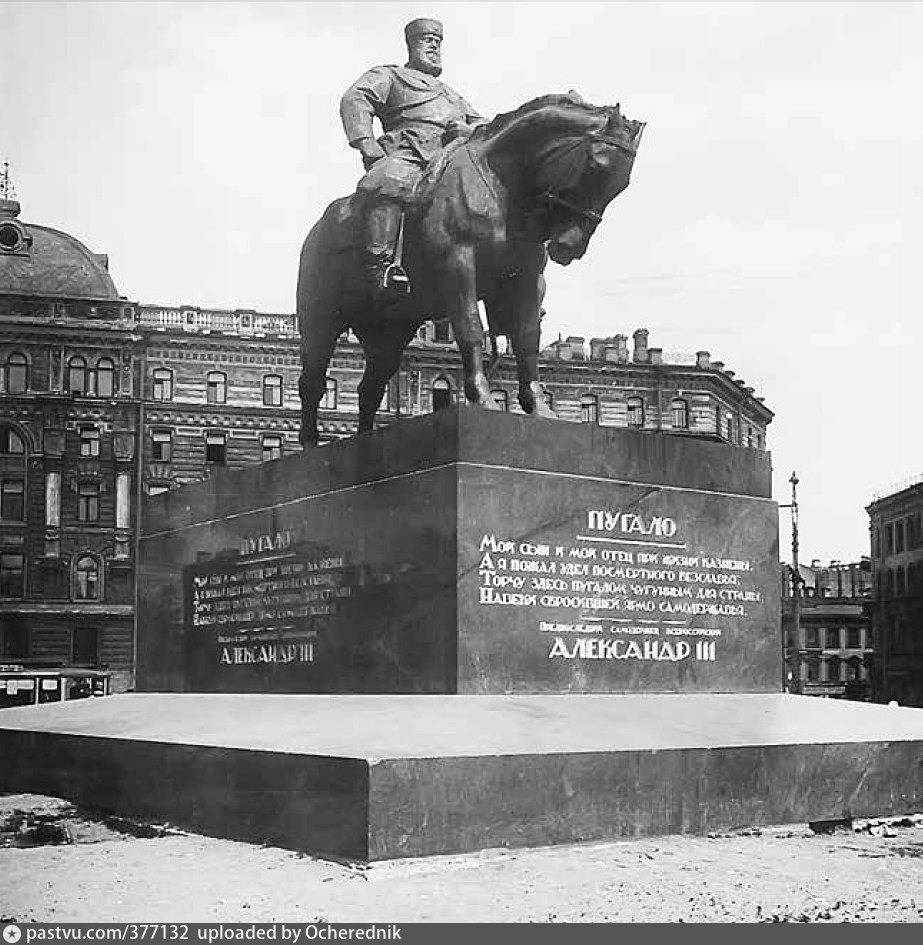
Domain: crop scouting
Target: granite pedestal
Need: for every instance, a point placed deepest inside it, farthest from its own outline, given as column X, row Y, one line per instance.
column 468, row 630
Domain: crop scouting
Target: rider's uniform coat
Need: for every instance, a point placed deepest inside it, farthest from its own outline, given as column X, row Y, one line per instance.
column 414, row 109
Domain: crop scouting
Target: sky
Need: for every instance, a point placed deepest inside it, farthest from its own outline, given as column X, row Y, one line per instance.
column 774, row 217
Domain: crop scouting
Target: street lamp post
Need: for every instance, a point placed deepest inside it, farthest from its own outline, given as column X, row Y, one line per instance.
column 796, row 684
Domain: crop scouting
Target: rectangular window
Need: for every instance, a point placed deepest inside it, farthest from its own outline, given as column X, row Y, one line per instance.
column 853, row 638
column 89, row 441
column 635, row 412
column 14, row 639
column 589, row 408
column 163, row 384
column 88, row 502
column 12, row 574
column 161, row 445
column 272, row 447
column 272, row 390
column 217, row 388
column 85, row 646
column 889, row 539
column 215, row 448
column 329, row 400
column 833, row 638
column 898, row 537
column 12, row 506
column 810, row 638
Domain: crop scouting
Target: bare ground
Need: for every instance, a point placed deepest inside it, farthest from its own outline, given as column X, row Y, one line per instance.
column 58, row 864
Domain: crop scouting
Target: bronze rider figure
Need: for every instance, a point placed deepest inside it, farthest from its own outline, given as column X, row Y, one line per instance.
column 419, row 115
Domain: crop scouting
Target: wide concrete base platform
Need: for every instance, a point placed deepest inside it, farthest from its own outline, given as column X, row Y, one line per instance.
column 380, row 777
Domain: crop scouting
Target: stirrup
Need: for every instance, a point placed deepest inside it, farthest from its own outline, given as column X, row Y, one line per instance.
column 395, row 279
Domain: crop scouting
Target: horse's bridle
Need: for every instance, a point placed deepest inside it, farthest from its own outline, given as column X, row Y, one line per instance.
column 595, row 218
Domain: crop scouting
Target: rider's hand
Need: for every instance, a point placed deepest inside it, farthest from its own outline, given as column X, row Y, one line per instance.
column 371, row 152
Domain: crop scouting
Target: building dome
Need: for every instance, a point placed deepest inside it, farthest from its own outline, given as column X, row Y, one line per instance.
column 40, row 261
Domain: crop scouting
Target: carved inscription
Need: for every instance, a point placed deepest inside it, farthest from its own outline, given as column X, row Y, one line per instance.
column 627, row 587
column 263, row 605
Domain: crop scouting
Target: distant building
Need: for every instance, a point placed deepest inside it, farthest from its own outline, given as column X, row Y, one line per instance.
column 896, row 531
column 70, row 415
column 835, row 657
column 105, row 400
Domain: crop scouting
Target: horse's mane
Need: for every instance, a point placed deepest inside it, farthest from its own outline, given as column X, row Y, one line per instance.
column 505, row 119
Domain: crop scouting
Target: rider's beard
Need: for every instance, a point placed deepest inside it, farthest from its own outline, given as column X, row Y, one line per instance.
column 430, row 64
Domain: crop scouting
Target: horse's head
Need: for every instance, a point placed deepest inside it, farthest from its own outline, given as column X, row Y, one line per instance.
column 578, row 175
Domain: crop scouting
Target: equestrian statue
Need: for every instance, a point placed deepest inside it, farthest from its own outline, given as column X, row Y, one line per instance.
column 452, row 210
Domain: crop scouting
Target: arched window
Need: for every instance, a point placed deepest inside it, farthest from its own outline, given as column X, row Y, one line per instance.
column 11, row 442
column 105, row 377
column 442, row 394
column 331, row 395
column 272, row 390
column 589, row 408
column 86, row 578
column 77, row 375
column 17, row 373
column 635, row 411
column 679, row 410
column 163, row 384
column 500, row 398
column 216, row 387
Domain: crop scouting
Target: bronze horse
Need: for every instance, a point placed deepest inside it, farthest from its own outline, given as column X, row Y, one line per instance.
column 531, row 184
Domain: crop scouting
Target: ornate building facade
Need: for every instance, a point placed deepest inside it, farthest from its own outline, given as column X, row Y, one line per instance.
column 70, row 414
column 896, row 531
column 831, row 652
column 103, row 401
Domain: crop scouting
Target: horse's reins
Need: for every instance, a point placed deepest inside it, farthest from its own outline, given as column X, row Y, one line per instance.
column 596, row 218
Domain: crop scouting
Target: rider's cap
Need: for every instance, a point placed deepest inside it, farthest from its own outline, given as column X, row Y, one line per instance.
column 421, row 27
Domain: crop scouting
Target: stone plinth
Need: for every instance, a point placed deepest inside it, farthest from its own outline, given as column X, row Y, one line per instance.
column 469, row 552
column 385, row 776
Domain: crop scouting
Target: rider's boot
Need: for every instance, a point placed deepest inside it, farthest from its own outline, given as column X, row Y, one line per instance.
column 388, row 280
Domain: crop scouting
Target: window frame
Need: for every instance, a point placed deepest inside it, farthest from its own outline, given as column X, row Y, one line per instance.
column 7, row 489
column 216, row 438
column 159, row 437
column 216, row 387
column 105, row 367
column 265, row 447
column 679, row 407
column 96, row 581
column 273, row 386
column 331, row 395
column 443, row 392
column 20, row 591
column 20, row 365
column 88, row 493
column 159, row 383
column 89, row 442
column 72, row 366
column 634, row 409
